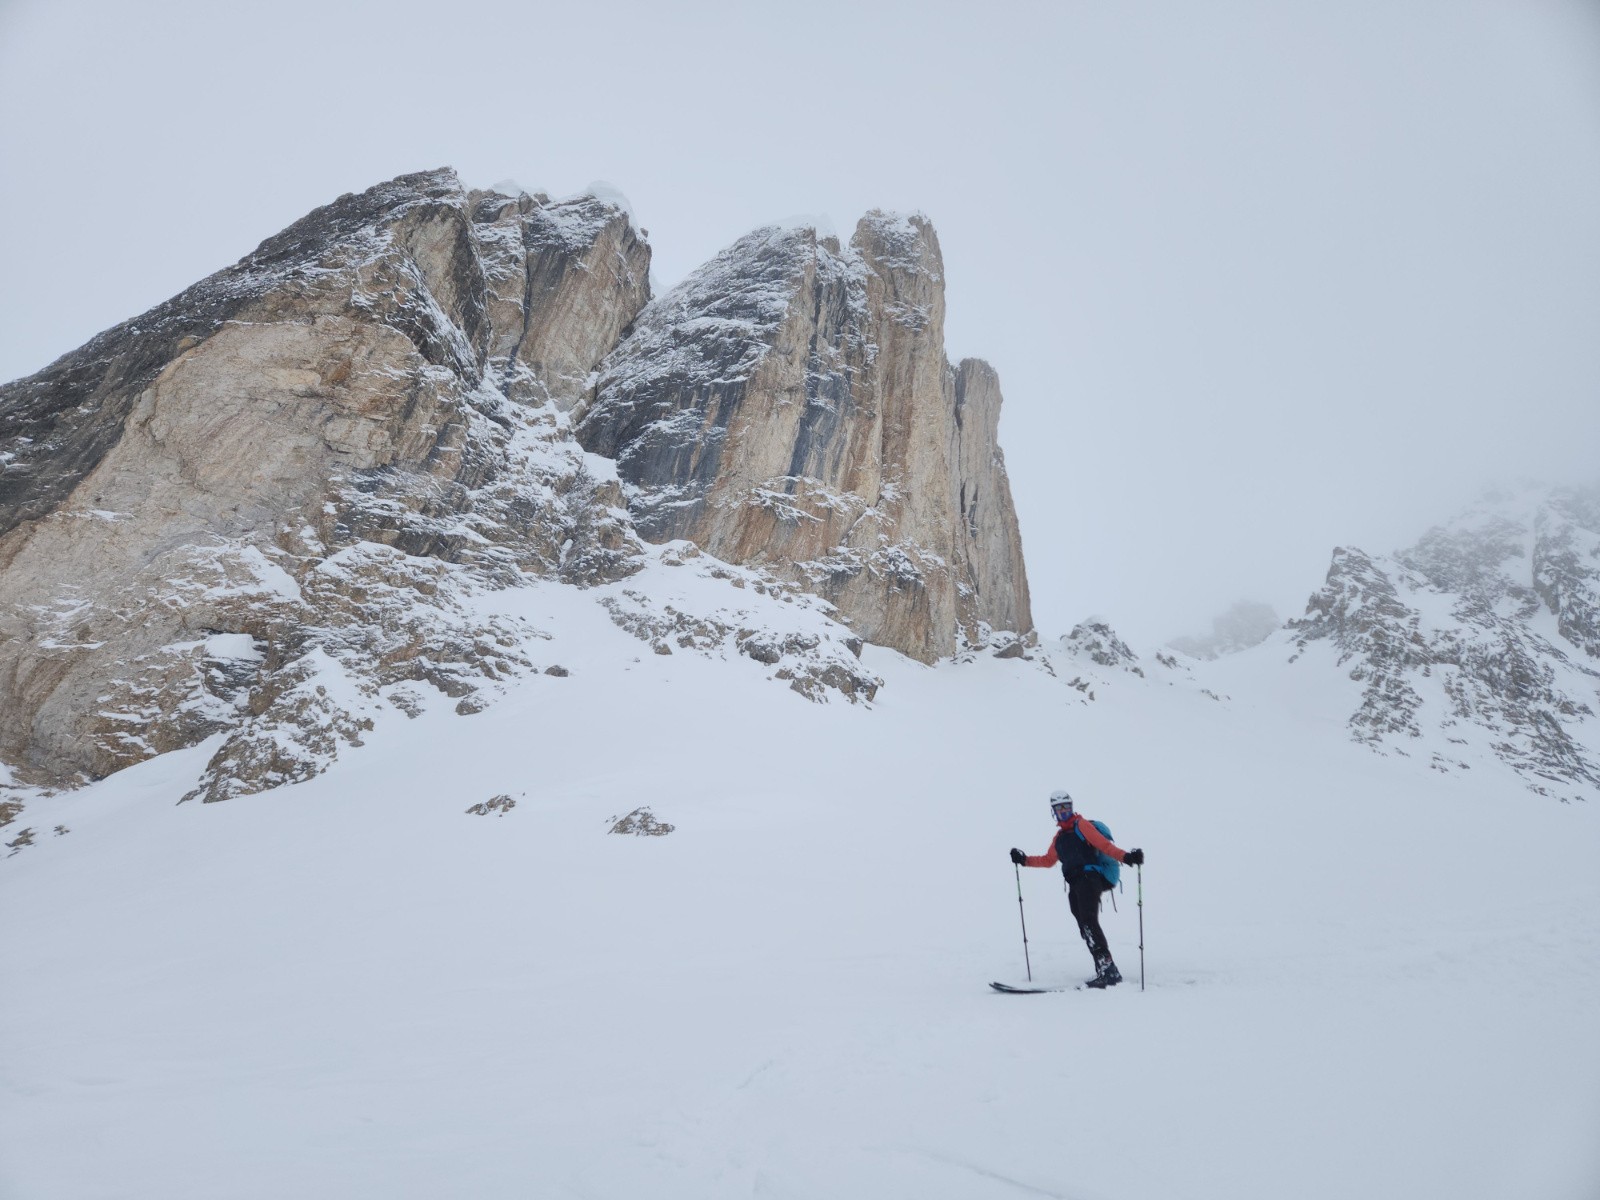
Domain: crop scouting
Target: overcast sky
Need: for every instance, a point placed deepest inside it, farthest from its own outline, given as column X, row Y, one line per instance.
column 1258, row 278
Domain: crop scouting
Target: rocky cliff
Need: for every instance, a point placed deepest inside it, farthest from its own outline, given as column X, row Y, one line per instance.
column 1482, row 639
column 269, row 510
column 790, row 406
column 255, row 507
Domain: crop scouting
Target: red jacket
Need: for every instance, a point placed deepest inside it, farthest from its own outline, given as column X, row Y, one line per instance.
column 1090, row 834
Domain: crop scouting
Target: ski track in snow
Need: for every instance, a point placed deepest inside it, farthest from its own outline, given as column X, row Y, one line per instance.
column 1365, row 979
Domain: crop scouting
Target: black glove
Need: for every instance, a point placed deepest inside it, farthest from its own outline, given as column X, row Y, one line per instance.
column 1018, row 857
column 1134, row 858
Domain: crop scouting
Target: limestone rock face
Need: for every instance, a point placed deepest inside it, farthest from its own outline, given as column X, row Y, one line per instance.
column 1482, row 638
column 564, row 280
column 789, row 406
column 273, row 510
column 993, row 543
column 264, row 505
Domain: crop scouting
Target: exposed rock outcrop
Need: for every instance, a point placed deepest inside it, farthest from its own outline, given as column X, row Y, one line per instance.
column 1095, row 640
column 1485, row 634
column 815, row 655
column 789, row 406
column 641, row 822
column 255, row 507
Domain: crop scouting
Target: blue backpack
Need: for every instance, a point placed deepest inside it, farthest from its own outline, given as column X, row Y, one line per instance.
column 1103, row 862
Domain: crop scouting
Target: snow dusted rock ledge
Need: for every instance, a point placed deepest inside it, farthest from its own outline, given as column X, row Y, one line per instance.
column 727, row 611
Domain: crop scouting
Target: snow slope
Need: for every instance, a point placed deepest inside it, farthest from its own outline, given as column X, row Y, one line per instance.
column 1365, row 978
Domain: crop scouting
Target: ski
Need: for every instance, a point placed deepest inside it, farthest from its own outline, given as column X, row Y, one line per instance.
column 1011, row 990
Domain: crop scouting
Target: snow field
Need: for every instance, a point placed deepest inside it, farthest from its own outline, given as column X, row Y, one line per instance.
column 1365, row 978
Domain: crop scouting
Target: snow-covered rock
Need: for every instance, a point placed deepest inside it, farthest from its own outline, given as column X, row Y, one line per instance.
column 723, row 611
column 1094, row 639
column 1484, row 637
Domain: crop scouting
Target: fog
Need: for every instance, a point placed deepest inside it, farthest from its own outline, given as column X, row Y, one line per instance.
column 1259, row 279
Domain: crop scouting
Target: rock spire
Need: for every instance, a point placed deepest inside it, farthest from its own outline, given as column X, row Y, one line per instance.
column 789, row 405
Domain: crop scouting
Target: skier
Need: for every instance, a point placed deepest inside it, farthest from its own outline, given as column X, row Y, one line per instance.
column 1077, row 847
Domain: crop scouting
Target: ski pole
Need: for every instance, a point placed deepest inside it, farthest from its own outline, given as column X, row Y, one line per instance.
column 1024, row 917
column 1140, row 871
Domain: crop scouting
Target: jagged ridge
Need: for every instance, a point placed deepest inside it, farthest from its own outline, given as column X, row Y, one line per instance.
column 1487, row 630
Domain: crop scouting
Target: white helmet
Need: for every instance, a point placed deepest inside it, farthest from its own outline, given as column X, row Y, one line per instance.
column 1061, row 804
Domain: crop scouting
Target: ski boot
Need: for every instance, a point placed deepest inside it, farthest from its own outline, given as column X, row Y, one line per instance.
column 1106, row 976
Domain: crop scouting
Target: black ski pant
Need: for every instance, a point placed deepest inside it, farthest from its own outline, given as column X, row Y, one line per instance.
column 1084, row 890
